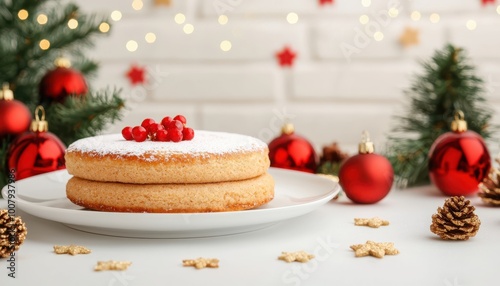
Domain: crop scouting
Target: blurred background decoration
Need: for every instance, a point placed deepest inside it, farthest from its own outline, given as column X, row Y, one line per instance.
column 332, row 68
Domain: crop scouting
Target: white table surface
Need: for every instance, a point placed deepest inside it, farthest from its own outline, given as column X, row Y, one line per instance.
column 251, row 258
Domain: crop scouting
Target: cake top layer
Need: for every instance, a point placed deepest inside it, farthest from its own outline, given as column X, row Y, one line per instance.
column 204, row 143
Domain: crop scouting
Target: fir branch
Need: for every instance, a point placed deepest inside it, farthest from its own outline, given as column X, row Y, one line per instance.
column 4, row 143
column 23, row 64
column 447, row 85
column 80, row 117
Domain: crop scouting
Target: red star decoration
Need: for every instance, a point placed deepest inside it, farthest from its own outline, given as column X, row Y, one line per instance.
column 323, row 2
column 486, row 2
column 286, row 57
column 136, row 75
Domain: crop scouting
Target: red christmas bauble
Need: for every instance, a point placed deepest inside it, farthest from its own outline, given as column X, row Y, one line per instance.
column 293, row 152
column 15, row 117
column 62, row 81
column 458, row 162
column 35, row 152
column 366, row 178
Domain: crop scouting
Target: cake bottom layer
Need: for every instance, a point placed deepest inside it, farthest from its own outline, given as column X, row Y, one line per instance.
column 171, row 198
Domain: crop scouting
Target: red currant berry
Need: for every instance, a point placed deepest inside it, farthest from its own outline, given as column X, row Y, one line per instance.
column 175, row 135
column 187, row 133
column 155, row 127
column 127, row 133
column 146, row 122
column 175, row 124
column 162, row 135
column 165, row 121
column 181, row 118
column 139, row 133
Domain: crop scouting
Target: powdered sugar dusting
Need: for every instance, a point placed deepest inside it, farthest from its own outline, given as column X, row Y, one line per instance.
column 204, row 143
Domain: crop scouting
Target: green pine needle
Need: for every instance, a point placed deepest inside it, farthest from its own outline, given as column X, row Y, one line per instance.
column 80, row 117
column 23, row 64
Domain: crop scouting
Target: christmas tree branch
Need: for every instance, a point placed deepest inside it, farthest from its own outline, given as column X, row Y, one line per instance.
column 447, row 85
column 81, row 117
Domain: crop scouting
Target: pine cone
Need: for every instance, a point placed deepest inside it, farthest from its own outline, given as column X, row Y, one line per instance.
column 456, row 220
column 490, row 188
column 331, row 159
column 12, row 233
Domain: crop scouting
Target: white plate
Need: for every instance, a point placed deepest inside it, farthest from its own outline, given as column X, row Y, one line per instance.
column 296, row 193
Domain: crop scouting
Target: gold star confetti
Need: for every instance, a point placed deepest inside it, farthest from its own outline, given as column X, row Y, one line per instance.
column 71, row 249
column 409, row 37
column 299, row 256
column 201, row 262
column 112, row 265
column 374, row 222
column 376, row 249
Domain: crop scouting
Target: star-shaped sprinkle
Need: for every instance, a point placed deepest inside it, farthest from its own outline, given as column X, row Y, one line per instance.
column 409, row 37
column 376, row 249
column 201, row 262
column 112, row 265
column 136, row 75
column 299, row 256
column 374, row 222
column 71, row 249
column 286, row 57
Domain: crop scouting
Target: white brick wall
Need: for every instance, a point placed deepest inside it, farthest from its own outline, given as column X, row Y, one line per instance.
column 328, row 96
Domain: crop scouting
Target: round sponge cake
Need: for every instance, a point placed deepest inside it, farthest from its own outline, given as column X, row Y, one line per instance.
column 211, row 157
column 171, row 198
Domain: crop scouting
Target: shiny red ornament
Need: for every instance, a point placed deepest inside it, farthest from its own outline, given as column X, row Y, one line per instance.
column 15, row 117
column 36, row 151
column 459, row 160
column 61, row 82
column 292, row 151
column 366, row 178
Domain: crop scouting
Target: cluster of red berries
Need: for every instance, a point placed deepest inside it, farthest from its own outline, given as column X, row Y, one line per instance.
column 170, row 129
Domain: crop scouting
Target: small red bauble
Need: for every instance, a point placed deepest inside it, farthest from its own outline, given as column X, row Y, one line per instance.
column 62, row 81
column 293, row 152
column 15, row 117
column 366, row 178
column 458, row 160
column 36, row 152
